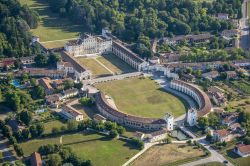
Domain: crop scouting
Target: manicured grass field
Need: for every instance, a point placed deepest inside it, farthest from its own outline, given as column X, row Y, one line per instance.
column 115, row 64
column 167, row 154
column 48, row 126
column 142, row 97
column 99, row 149
column 94, row 67
column 52, row 27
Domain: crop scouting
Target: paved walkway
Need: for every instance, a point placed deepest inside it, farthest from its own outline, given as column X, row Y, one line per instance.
column 146, row 147
column 103, row 66
column 111, row 78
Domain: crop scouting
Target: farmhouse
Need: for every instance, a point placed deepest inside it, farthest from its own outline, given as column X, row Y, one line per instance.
column 70, row 113
column 242, row 150
column 217, row 95
column 36, row 159
column 222, row 135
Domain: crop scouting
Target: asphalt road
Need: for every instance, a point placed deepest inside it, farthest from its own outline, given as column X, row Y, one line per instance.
column 244, row 28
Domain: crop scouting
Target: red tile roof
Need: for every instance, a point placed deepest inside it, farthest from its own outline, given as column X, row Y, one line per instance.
column 245, row 149
column 222, row 132
column 36, row 159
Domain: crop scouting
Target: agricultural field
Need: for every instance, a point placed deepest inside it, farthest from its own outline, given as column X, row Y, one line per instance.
column 52, row 27
column 142, row 97
column 96, row 69
column 115, row 64
column 99, row 149
column 243, row 86
column 167, row 154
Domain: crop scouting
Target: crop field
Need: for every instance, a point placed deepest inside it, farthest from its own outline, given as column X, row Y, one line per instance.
column 167, row 154
column 142, row 97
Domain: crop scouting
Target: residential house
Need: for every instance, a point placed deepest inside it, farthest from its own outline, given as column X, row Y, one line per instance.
column 53, row 100
column 139, row 135
column 7, row 62
column 69, row 112
column 27, row 60
column 46, row 84
column 157, row 135
column 229, row 118
column 188, row 77
column 36, row 159
column 223, row 16
column 230, row 33
column 222, row 135
column 217, row 95
column 15, row 126
column 210, row 75
column 70, row 93
column 99, row 118
column 231, row 74
column 242, row 150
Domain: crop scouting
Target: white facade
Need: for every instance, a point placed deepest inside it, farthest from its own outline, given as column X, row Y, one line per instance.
column 169, row 121
column 192, row 117
column 89, row 44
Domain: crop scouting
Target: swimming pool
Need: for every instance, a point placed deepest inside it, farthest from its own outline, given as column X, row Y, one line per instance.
column 17, row 84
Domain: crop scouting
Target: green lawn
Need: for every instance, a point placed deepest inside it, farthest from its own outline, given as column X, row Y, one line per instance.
column 99, row 149
column 94, row 67
column 142, row 97
column 51, row 27
column 115, row 64
column 48, row 126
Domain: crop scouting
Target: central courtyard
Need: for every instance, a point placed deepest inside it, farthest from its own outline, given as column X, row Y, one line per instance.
column 142, row 97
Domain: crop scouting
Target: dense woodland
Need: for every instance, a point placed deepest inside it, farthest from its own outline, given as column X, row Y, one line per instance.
column 15, row 24
column 129, row 19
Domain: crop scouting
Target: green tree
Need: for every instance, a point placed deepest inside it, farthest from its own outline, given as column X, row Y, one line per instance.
column 26, row 117
column 54, row 160
column 41, row 60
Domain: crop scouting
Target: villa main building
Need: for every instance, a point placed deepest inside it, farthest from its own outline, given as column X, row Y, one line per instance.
column 88, row 45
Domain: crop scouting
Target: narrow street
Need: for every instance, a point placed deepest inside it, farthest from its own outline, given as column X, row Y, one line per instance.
column 244, row 27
